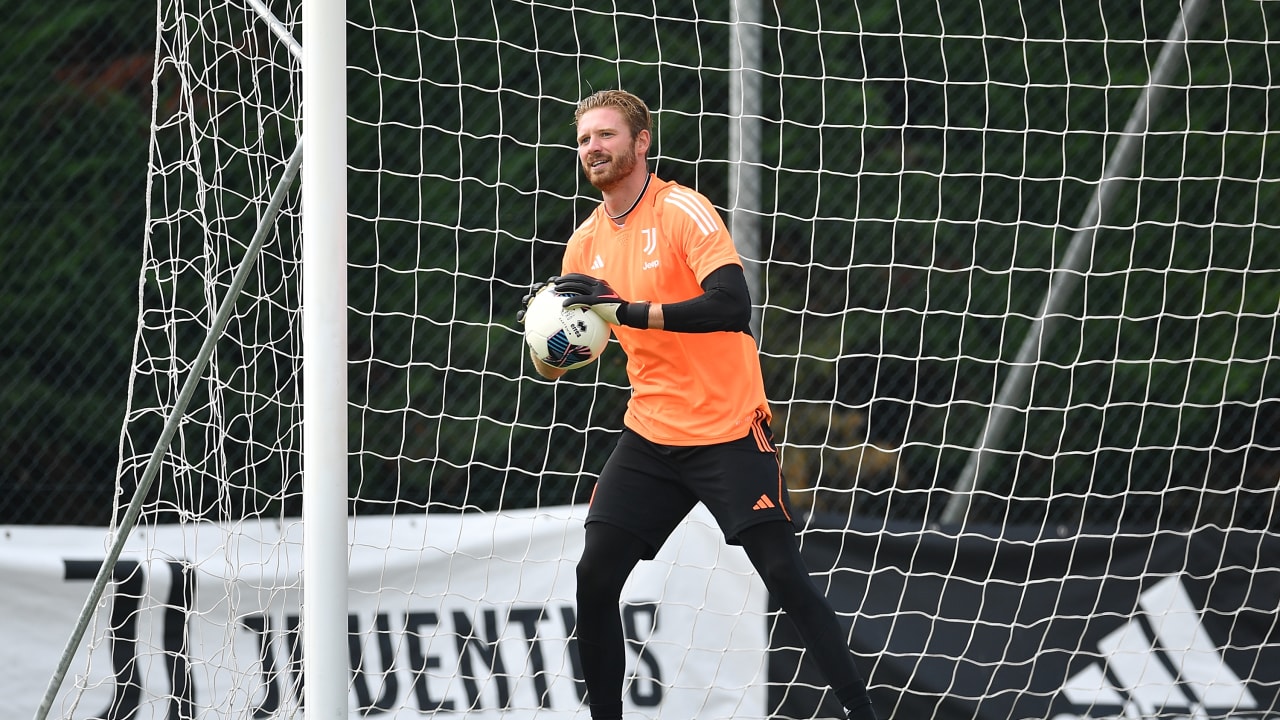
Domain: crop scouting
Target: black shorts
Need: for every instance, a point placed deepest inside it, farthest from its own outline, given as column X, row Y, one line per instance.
column 647, row 488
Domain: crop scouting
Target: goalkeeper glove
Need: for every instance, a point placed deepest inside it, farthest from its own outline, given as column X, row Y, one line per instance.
column 533, row 292
column 597, row 295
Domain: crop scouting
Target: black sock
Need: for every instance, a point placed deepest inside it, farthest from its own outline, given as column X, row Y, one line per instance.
column 606, row 711
column 862, row 711
column 853, row 695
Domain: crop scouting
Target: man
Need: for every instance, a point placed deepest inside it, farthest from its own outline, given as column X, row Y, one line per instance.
column 656, row 261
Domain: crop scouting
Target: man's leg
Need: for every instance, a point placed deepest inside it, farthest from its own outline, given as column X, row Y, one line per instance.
column 608, row 557
column 772, row 549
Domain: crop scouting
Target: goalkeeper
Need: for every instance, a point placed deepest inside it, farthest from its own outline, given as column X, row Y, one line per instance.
column 656, row 261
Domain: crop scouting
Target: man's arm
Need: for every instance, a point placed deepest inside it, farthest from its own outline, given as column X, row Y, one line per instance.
column 550, row 372
column 723, row 306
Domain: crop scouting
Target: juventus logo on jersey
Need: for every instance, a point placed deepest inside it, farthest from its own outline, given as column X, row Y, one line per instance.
column 650, row 246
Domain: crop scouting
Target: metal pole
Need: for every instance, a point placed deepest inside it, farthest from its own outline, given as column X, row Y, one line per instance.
column 744, row 146
column 324, row 360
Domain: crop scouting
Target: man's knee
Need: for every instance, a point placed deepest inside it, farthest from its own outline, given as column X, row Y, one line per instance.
column 608, row 557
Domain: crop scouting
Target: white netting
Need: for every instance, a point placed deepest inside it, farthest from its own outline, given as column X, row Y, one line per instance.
column 916, row 175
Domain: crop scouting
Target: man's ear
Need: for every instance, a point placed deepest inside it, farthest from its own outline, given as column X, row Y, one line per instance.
column 642, row 143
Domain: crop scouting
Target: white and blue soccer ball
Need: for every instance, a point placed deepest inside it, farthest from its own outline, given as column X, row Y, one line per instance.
column 563, row 337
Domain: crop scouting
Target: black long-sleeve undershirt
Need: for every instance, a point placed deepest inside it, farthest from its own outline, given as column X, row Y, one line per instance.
column 723, row 306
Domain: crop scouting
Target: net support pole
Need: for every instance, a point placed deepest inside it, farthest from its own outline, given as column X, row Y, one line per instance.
column 1013, row 391
column 744, row 145
column 324, row 360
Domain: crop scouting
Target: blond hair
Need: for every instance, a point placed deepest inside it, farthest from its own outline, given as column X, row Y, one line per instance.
column 633, row 109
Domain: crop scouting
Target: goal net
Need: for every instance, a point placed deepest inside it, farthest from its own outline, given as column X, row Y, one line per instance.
column 1017, row 281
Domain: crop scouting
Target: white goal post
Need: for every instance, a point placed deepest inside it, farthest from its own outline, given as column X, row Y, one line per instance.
column 343, row 492
column 324, row 358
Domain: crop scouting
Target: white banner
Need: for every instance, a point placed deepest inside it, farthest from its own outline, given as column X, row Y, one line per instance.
column 448, row 614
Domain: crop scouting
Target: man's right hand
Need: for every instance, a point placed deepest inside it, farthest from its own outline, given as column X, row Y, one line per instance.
column 533, row 292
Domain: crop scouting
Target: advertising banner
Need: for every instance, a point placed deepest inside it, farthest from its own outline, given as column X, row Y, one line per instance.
column 1147, row 625
column 473, row 616
column 448, row 614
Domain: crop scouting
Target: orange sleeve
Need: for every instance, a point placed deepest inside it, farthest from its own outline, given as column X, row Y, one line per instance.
column 689, row 216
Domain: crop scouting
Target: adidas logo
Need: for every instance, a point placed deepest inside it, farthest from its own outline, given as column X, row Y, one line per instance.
column 1160, row 664
column 764, row 503
column 597, row 263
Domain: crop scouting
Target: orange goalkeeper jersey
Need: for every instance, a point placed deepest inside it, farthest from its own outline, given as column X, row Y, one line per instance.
column 687, row 388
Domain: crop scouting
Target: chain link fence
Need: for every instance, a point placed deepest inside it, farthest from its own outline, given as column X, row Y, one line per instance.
column 76, row 81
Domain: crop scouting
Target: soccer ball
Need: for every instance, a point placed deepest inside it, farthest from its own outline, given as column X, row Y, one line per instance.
column 563, row 337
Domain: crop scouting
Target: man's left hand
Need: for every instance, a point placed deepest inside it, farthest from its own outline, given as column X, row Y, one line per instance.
column 597, row 295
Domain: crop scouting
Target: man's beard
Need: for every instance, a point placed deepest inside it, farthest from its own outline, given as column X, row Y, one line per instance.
column 618, row 170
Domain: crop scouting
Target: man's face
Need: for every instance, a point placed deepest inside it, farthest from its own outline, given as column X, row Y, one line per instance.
column 606, row 149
